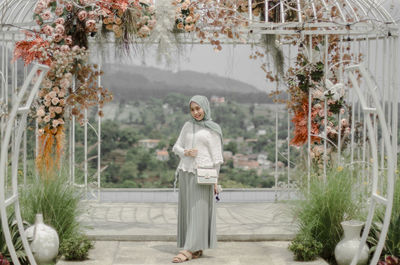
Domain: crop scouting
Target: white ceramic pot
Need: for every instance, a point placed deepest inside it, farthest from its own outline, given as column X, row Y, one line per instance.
column 44, row 241
column 347, row 248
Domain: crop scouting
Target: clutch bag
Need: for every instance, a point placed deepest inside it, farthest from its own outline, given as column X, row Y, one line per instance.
column 207, row 176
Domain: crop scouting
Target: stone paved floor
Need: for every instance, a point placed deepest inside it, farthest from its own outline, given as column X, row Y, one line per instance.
column 157, row 221
column 145, row 233
column 160, row 253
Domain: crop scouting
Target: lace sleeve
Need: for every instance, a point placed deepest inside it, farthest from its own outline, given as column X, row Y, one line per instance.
column 216, row 149
column 179, row 146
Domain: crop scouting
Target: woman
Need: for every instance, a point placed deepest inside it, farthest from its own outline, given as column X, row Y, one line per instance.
column 199, row 145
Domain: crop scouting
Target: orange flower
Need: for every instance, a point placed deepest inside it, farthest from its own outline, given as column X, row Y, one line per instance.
column 300, row 121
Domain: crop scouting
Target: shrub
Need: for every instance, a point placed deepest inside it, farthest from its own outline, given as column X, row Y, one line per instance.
column 17, row 242
column 392, row 243
column 324, row 208
column 305, row 247
column 76, row 247
column 57, row 200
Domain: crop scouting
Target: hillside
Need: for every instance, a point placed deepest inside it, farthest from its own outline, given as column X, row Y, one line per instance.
column 130, row 82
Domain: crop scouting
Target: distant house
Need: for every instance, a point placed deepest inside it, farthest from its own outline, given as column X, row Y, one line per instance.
column 218, row 100
column 227, row 140
column 162, row 155
column 227, row 155
column 250, row 127
column 149, row 143
column 261, row 132
column 246, row 165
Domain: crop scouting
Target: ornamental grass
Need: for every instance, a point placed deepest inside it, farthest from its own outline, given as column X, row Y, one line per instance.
column 324, row 207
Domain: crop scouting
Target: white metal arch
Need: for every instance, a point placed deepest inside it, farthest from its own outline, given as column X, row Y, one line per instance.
column 360, row 19
column 10, row 126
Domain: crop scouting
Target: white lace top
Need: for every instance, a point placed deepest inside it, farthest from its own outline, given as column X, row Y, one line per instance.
column 207, row 143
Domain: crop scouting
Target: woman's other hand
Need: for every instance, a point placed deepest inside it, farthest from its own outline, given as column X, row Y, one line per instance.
column 216, row 191
column 191, row 152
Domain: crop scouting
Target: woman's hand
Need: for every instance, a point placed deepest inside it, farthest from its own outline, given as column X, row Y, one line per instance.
column 190, row 152
column 216, row 189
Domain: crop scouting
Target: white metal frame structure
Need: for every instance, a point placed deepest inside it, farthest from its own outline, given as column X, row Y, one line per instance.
column 10, row 127
column 363, row 26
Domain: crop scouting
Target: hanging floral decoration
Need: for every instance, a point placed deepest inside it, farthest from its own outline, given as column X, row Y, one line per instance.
column 309, row 78
column 185, row 15
column 62, row 43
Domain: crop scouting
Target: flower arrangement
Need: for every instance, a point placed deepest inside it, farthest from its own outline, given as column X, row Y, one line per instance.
column 310, row 78
column 126, row 18
column 185, row 16
column 62, row 43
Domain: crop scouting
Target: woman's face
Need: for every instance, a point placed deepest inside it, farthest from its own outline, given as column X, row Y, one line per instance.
column 196, row 111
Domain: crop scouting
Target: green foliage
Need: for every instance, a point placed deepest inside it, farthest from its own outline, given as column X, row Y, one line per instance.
column 305, row 247
column 392, row 243
column 57, row 200
column 325, row 207
column 76, row 247
column 16, row 239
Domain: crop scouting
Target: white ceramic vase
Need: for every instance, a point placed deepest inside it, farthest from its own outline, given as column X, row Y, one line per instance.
column 44, row 241
column 347, row 248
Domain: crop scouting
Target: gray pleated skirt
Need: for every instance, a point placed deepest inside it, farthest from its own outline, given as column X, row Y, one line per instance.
column 196, row 214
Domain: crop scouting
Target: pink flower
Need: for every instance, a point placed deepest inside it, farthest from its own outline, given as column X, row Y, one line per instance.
column 40, row 132
column 91, row 25
column 64, row 83
column 61, row 121
column 60, row 21
column 46, row 83
column 55, row 101
column 185, row 6
column 47, row 103
column 82, row 15
column 69, row 77
column 37, row 10
column 68, row 40
column 75, row 48
column 55, row 123
column 46, row 119
column 59, row 11
column 58, row 110
column 92, row 15
column 56, row 89
column 189, row 19
column 46, row 15
column 58, row 37
column 69, row 7
column 342, row 111
column 41, row 6
column 321, row 113
column 61, row 94
column 52, row 94
column 144, row 31
column 48, row 30
column 152, row 23
column 60, row 29
column 62, row 102
column 40, row 112
column 52, row 115
column 65, row 48
column 344, row 123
